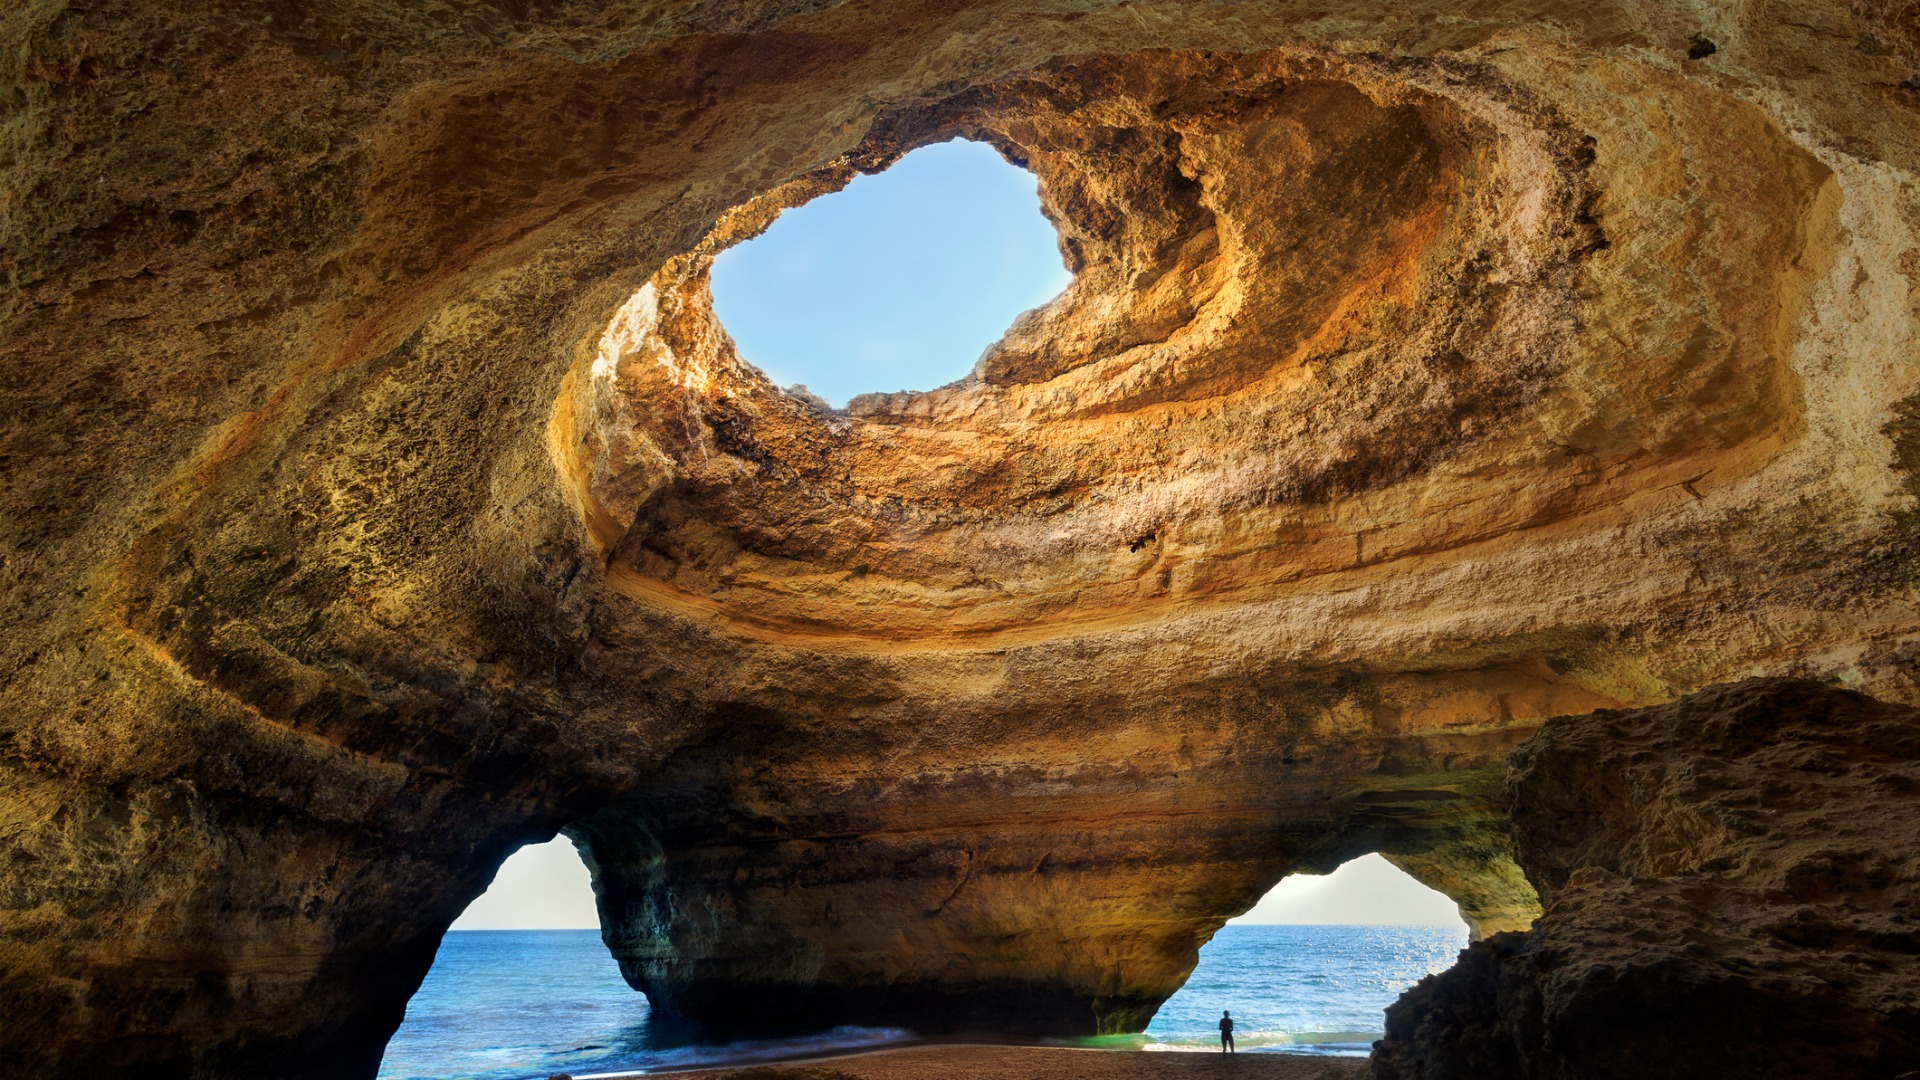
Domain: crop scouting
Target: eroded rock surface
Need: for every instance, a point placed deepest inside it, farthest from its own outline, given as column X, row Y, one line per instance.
column 381, row 494
column 1732, row 888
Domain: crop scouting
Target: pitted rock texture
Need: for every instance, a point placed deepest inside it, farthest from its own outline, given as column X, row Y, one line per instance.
column 381, row 494
column 1743, row 863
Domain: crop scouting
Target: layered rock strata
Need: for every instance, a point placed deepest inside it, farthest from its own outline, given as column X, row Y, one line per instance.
column 1731, row 887
column 1057, row 882
column 381, row 493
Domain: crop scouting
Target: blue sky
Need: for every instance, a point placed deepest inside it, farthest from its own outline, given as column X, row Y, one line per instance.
column 897, row 282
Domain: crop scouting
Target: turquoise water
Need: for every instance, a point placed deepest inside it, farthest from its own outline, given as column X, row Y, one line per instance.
column 510, row 1004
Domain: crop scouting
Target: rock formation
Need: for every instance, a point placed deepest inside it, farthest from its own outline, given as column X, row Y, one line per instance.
column 381, row 493
column 1731, row 887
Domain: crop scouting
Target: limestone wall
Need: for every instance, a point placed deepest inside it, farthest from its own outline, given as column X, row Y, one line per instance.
column 1430, row 369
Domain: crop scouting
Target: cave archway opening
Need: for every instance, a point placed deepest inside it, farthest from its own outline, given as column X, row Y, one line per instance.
column 522, row 982
column 1312, row 966
column 896, row 282
column 526, row 982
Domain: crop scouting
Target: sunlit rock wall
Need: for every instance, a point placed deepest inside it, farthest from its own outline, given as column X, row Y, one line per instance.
column 380, row 493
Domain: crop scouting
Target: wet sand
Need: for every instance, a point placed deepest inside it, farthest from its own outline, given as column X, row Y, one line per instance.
column 967, row 1062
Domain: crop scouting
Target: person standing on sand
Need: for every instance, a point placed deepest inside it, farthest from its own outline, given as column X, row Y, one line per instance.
column 1226, row 1032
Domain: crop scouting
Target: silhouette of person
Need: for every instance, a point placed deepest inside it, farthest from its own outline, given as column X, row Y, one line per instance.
column 1226, row 1032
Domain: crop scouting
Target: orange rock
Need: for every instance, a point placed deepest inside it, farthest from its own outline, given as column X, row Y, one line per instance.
column 381, row 493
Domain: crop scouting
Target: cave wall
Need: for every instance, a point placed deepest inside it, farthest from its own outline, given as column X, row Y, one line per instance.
column 1055, row 881
column 1730, row 891
column 380, row 495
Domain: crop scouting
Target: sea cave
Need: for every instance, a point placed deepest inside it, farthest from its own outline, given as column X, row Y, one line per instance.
column 1485, row 436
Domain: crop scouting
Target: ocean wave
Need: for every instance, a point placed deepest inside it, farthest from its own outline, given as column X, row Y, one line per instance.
column 1298, row 1042
column 758, row 1051
column 512, row 1005
column 1300, row 989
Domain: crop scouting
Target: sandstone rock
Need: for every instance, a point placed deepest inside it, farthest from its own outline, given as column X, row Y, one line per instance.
column 1731, row 887
column 381, row 495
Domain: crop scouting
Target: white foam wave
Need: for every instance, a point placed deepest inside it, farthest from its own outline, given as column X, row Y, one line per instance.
column 761, row 1051
column 1273, row 1041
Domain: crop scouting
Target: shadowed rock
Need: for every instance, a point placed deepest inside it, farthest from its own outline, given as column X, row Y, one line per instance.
column 1731, row 887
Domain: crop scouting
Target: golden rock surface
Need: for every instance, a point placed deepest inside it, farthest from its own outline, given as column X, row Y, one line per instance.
column 381, row 493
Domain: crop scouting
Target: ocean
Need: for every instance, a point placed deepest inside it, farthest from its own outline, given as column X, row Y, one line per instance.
column 514, row 1004
column 1300, row 989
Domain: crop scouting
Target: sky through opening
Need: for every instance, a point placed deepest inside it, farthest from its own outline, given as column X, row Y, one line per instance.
column 897, row 282
column 1367, row 891
column 540, row 887
column 546, row 887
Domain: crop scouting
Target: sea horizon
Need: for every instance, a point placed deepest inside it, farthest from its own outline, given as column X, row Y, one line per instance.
column 508, row 1004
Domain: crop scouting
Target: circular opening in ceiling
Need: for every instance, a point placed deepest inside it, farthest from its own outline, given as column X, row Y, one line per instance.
column 897, row 282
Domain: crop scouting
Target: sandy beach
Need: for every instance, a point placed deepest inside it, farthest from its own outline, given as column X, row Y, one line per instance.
column 961, row 1062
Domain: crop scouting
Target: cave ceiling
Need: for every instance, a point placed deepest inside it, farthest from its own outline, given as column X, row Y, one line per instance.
column 382, row 492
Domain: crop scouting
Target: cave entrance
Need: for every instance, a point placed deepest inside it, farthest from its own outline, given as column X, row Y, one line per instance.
column 1311, row 967
column 522, row 984
column 897, row 282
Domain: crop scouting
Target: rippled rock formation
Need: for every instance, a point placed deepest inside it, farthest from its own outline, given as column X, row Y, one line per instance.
column 381, row 493
column 1732, row 888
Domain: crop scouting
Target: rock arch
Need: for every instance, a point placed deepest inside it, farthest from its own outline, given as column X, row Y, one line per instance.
column 1039, row 888
column 1429, row 373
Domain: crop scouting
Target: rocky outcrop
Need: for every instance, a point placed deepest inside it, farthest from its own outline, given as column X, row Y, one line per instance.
column 380, row 492
column 1055, row 881
column 1731, row 886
